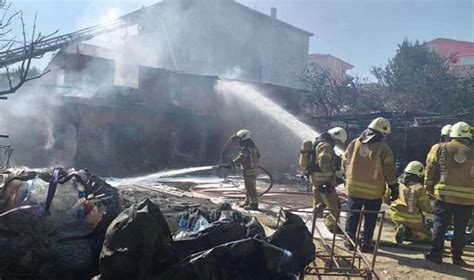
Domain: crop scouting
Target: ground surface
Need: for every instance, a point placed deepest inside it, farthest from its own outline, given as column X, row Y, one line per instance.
column 392, row 262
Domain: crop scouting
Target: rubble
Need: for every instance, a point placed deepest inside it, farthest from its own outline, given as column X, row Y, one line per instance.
column 58, row 242
column 83, row 223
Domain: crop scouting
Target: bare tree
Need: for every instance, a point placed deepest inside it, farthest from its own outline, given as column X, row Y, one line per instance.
column 24, row 47
column 327, row 96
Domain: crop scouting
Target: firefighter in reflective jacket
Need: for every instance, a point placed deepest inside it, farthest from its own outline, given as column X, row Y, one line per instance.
column 369, row 166
column 318, row 161
column 407, row 211
column 248, row 160
column 450, row 179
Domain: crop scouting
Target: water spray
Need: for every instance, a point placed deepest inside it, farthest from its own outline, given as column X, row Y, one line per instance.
column 152, row 178
column 252, row 97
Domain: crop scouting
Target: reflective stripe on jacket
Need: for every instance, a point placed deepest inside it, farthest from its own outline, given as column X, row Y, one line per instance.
column 368, row 168
column 450, row 172
column 412, row 202
column 326, row 162
column 405, row 218
column 248, row 160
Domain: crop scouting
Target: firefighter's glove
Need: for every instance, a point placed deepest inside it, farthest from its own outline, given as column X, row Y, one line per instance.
column 324, row 188
column 394, row 192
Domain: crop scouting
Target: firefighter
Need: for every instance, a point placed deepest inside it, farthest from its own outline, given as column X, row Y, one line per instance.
column 248, row 160
column 369, row 166
column 319, row 162
column 407, row 210
column 445, row 131
column 450, row 179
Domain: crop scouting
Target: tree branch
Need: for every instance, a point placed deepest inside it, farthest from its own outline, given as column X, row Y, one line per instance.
column 27, row 48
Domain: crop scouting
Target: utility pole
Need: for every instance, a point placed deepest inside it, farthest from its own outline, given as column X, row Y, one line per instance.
column 2, row 135
column 7, row 150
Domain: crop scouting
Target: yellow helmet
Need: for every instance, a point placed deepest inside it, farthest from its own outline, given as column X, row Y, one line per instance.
column 446, row 130
column 338, row 133
column 381, row 125
column 461, row 130
column 243, row 134
column 415, row 168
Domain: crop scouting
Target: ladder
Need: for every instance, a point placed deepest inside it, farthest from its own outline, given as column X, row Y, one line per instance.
column 21, row 53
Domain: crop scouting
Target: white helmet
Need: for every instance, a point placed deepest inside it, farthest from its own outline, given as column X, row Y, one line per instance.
column 338, row 133
column 446, row 130
column 415, row 168
column 381, row 125
column 243, row 134
column 461, row 130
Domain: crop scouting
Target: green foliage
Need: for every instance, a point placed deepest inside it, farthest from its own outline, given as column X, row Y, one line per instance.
column 464, row 94
column 417, row 79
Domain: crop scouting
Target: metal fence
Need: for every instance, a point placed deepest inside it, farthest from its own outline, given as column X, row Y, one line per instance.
column 342, row 262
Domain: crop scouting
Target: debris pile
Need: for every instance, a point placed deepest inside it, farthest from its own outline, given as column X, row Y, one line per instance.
column 53, row 222
column 216, row 244
column 57, row 224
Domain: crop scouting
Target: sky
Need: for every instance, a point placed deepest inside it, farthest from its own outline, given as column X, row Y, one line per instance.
column 364, row 33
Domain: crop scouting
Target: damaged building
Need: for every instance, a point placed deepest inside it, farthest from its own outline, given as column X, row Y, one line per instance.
column 172, row 119
column 150, row 103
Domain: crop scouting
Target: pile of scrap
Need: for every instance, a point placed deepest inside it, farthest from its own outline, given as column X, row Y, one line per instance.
column 219, row 244
column 52, row 222
column 58, row 224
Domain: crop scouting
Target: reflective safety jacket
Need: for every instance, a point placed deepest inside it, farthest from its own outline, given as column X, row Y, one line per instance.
column 248, row 160
column 411, row 204
column 325, row 160
column 450, row 172
column 369, row 167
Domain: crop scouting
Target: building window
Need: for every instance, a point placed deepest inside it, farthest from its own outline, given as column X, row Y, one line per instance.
column 468, row 60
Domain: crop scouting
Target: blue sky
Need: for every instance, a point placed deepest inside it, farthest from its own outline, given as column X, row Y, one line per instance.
column 362, row 32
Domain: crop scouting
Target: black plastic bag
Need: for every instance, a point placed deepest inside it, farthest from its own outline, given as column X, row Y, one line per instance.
column 294, row 236
column 248, row 259
column 137, row 244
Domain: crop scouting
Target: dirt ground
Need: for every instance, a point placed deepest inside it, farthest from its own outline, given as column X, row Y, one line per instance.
column 392, row 262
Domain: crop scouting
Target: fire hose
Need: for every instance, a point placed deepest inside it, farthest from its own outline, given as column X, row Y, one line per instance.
column 224, row 155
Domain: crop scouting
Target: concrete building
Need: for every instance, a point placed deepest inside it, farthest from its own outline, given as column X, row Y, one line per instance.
column 336, row 66
column 460, row 54
column 170, row 119
column 221, row 38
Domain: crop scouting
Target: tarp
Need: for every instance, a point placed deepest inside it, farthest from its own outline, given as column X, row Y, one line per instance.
column 294, row 236
column 137, row 244
column 248, row 259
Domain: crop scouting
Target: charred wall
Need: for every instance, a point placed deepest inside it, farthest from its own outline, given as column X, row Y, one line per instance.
column 172, row 120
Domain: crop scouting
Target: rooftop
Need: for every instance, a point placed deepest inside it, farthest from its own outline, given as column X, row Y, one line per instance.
column 461, row 48
column 319, row 55
column 135, row 15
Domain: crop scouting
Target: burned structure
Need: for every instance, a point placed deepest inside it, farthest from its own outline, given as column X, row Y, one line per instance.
column 172, row 119
column 150, row 101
